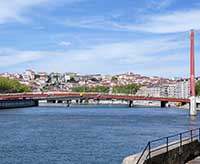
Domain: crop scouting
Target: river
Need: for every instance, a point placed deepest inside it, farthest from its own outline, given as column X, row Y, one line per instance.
column 84, row 134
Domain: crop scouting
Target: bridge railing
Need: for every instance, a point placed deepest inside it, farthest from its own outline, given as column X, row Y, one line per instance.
column 166, row 143
column 24, row 93
column 95, row 95
column 101, row 93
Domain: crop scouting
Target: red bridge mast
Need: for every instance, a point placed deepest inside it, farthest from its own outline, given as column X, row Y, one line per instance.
column 193, row 111
column 192, row 71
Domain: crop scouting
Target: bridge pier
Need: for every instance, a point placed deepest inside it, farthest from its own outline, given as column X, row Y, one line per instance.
column 98, row 101
column 81, row 101
column 68, row 103
column 193, row 110
column 130, row 103
column 59, row 101
column 198, row 105
column 183, row 103
column 163, row 104
column 51, row 101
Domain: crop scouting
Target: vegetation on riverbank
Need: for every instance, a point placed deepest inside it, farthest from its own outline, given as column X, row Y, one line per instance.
column 197, row 88
column 101, row 89
column 12, row 86
column 127, row 89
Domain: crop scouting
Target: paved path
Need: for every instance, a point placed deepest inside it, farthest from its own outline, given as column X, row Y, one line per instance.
column 195, row 161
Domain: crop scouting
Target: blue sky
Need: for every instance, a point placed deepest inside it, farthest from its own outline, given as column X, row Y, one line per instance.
column 149, row 37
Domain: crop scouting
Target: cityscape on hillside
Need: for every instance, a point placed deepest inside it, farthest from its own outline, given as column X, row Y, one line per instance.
column 99, row 82
column 152, row 86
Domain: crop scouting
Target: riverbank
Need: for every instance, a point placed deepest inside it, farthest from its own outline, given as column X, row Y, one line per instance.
column 114, row 103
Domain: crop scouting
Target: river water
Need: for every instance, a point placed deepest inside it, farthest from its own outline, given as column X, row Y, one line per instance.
column 84, row 134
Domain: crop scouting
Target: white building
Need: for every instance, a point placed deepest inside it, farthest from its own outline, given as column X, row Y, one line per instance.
column 183, row 88
column 30, row 73
column 168, row 90
column 67, row 77
column 150, row 91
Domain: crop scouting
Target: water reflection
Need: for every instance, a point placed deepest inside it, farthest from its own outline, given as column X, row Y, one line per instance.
column 193, row 122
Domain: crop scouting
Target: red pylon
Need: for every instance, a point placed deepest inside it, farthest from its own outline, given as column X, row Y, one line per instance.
column 192, row 71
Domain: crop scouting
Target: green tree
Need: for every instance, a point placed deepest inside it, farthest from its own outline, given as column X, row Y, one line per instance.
column 197, row 88
column 100, row 89
column 114, row 78
column 127, row 89
column 12, row 86
column 72, row 80
column 94, row 79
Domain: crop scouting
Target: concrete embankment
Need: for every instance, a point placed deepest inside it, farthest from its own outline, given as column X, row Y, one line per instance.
column 20, row 103
column 175, row 155
column 195, row 161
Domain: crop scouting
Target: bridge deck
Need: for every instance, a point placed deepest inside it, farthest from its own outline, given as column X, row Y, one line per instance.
column 89, row 96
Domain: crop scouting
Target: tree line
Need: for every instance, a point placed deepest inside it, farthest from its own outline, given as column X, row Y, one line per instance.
column 12, row 86
column 101, row 89
column 197, row 89
column 127, row 89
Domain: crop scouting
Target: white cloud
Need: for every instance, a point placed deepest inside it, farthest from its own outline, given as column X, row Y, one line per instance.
column 159, row 4
column 64, row 43
column 177, row 21
column 11, row 57
column 13, row 10
column 136, row 51
column 95, row 22
column 107, row 58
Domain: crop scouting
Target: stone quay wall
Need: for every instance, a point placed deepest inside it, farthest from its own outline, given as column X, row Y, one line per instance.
column 175, row 155
column 18, row 103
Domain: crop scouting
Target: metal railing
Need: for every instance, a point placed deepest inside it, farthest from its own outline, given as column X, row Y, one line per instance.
column 167, row 143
